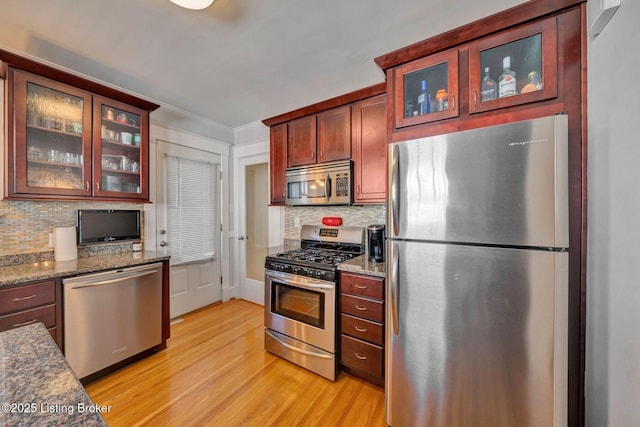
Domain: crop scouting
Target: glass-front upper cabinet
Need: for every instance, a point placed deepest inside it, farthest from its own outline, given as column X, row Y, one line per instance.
column 516, row 67
column 120, row 150
column 51, row 142
column 426, row 90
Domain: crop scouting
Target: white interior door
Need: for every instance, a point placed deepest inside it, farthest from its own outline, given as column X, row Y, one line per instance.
column 196, row 284
column 253, row 236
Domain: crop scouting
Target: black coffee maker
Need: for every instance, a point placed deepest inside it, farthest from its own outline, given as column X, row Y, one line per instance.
column 375, row 235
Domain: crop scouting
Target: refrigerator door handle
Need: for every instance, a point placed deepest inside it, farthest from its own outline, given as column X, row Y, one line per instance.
column 394, row 191
column 394, row 291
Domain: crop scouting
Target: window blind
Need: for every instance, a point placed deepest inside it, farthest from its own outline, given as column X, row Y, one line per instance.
column 192, row 209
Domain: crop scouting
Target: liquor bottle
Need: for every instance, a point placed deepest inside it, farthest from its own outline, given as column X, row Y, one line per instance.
column 488, row 87
column 534, row 83
column 507, row 80
column 423, row 99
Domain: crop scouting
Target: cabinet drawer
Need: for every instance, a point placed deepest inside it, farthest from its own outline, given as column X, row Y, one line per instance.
column 46, row 315
column 363, row 286
column 361, row 307
column 361, row 356
column 362, row 329
column 28, row 296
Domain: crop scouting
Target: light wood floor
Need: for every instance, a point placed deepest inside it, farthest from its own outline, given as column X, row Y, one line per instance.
column 216, row 372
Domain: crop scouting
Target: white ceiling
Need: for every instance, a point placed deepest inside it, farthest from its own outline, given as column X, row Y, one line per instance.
column 236, row 62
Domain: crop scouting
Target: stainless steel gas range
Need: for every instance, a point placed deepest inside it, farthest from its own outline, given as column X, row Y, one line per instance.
column 301, row 297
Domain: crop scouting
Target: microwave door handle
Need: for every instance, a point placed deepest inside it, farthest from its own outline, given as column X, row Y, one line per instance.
column 327, row 187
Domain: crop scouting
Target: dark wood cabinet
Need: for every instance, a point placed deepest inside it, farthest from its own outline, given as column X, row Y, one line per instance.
column 362, row 326
column 369, row 141
column 31, row 303
column 49, row 145
column 301, row 142
column 351, row 126
column 278, row 163
column 72, row 139
column 334, row 134
column 120, row 150
column 439, row 76
column 532, row 53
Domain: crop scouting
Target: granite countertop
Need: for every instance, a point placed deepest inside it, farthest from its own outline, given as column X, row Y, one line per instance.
column 361, row 265
column 44, row 270
column 37, row 386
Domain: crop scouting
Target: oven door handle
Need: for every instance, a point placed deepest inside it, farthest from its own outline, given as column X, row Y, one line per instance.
column 290, row 279
column 298, row 350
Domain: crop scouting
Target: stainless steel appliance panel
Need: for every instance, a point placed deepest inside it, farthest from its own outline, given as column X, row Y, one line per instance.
column 504, row 185
column 309, row 357
column 324, row 184
column 476, row 336
column 314, row 327
column 111, row 316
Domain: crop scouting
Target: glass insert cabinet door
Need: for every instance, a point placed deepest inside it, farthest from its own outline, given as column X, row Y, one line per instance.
column 426, row 90
column 52, row 137
column 119, row 149
column 514, row 68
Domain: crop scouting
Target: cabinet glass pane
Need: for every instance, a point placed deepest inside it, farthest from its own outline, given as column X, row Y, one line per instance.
column 54, row 138
column 512, row 68
column 121, row 138
column 426, row 91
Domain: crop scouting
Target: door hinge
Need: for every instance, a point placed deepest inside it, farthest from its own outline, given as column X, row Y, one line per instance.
column 221, row 280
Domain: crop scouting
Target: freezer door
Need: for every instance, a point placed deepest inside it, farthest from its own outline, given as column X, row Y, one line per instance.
column 475, row 336
column 504, row 185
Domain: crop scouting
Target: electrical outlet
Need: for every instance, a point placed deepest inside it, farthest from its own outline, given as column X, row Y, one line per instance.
column 52, row 241
column 296, row 222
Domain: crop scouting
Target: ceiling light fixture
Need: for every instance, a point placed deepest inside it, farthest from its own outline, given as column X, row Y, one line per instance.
column 193, row 4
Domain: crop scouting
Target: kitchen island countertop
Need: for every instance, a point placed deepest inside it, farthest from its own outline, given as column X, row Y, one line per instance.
column 44, row 270
column 361, row 265
column 37, row 386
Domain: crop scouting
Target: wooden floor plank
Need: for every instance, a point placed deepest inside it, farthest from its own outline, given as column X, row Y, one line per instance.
column 215, row 372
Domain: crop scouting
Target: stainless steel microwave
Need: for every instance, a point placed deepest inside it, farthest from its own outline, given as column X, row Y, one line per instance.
column 325, row 184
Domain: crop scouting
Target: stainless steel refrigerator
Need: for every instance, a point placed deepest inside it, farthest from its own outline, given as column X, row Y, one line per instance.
column 477, row 298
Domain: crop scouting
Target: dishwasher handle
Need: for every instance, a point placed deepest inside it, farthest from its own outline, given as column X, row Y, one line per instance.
column 121, row 278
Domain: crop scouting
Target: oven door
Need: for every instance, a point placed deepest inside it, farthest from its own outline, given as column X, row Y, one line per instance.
column 301, row 308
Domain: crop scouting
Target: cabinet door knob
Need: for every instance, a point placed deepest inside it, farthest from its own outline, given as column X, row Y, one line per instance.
column 360, row 357
column 360, row 286
column 87, row 186
column 359, row 329
column 97, row 186
column 475, row 97
column 357, row 307
column 453, row 103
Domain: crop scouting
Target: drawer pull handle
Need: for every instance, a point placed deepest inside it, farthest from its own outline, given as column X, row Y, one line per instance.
column 360, row 308
column 28, row 322
column 24, row 298
column 359, row 329
column 360, row 286
column 360, row 357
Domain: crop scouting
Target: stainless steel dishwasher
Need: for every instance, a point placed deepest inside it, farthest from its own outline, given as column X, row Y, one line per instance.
column 111, row 316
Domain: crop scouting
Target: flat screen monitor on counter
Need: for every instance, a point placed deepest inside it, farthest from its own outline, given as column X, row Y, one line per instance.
column 105, row 226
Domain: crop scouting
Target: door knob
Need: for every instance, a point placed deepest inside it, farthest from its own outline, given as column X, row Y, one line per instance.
column 240, row 237
column 163, row 243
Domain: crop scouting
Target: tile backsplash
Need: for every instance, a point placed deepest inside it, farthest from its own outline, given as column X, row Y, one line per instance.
column 25, row 225
column 359, row 216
